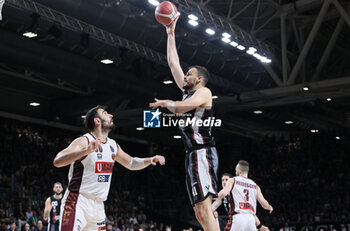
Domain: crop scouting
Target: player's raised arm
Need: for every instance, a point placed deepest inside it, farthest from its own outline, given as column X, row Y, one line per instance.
column 263, row 202
column 75, row 151
column 135, row 163
column 173, row 57
column 202, row 97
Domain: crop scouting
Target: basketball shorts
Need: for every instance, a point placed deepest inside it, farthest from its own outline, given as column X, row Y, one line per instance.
column 81, row 214
column 201, row 173
column 243, row 222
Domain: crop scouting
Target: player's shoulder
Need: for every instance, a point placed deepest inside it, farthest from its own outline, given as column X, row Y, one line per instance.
column 204, row 90
column 113, row 141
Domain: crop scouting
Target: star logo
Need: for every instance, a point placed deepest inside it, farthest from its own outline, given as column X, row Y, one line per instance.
column 151, row 118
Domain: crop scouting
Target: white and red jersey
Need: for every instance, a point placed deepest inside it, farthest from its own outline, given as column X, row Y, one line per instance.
column 91, row 176
column 244, row 194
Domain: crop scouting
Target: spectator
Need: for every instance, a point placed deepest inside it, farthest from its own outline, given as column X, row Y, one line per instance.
column 39, row 226
column 29, row 212
column 33, row 219
column 13, row 226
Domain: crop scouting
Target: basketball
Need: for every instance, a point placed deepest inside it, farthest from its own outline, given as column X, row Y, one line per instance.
column 166, row 13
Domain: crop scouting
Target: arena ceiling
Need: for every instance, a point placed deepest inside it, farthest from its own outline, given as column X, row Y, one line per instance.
column 307, row 41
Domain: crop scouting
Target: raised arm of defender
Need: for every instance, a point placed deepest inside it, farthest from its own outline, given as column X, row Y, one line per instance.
column 75, row 151
column 135, row 163
column 80, row 148
column 173, row 57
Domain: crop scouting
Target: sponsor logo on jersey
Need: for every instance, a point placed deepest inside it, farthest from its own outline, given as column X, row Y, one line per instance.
column 103, row 178
column 246, row 206
column 101, row 228
column 103, row 167
column 112, row 149
column 99, row 156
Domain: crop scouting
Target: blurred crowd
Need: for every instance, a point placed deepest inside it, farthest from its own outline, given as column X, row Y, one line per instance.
column 306, row 180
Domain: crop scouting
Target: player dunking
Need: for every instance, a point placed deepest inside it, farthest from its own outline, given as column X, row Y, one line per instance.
column 91, row 158
column 201, row 161
column 229, row 206
column 52, row 207
column 244, row 193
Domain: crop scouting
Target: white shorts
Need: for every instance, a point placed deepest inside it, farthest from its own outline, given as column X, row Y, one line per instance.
column 243, row 222
column 81, row 214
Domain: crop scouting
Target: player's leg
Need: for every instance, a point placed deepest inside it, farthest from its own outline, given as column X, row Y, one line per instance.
column 96, row 216
column 205, row 215
column 201, row 178
column 73, row 217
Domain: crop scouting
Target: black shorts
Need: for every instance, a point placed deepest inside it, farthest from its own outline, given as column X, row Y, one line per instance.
column 201, row 173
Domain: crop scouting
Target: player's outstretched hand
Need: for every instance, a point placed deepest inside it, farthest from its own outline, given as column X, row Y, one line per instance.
column 93, row 146
column 158, row 159
column 170, row 29
column 157, row 103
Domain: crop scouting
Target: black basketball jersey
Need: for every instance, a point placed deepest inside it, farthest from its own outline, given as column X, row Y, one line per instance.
column 55, row 210
column 194, row 136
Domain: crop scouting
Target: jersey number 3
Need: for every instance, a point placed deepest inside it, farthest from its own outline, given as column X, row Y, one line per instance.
column 246, row 193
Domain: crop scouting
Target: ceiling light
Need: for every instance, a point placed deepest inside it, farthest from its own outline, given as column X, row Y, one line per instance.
column 257, row 112
column 193, row 22
column 305, row 88
column 251, row 52
column 167, row 82
column 329, row 99
column 252, row 49
column 210, row 31
column 337, row 137
column 177, row 137
column 265, row 60
column 233, row 43
column 140, row 129
column 30, row 34
column 83, row 116
column 34, row 104
column 314, row 130
column 226, row 40
column 240, row 47
column 288, row 122
column 215, row 97
column 106, row 61
column 256, row 55
column 226, row 35
column 193, row 17
column 153, row 2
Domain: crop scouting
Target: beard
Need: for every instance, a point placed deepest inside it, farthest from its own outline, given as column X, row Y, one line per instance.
column 188, row 86
column 58, row 193
column 107, row 126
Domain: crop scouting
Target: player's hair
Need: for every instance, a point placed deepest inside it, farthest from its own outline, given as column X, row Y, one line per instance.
column 243, row 165
column 57, row 183
column 202, row 71
column 227, row 174
column 91, row 115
